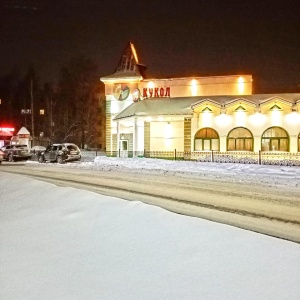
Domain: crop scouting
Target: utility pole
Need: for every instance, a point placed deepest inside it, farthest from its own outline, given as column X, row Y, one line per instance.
column 32, row 115
column 51, row 120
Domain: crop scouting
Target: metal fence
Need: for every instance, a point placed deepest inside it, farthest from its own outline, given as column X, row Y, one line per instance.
column 89, row 155
column 244, row 157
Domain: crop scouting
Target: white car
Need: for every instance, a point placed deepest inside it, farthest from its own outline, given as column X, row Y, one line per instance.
column 15, row 152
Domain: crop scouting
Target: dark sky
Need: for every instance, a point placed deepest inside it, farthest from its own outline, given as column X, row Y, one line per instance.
column 172, row 38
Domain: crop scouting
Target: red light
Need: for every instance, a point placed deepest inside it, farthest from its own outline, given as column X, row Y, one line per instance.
column 8, row 129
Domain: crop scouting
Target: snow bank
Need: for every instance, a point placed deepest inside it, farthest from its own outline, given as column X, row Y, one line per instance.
column 62, row 243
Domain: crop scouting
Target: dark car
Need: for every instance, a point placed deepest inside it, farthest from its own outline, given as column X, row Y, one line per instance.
column 15, row 152
column 73, row 151
column 36, row 152
column 60, row 153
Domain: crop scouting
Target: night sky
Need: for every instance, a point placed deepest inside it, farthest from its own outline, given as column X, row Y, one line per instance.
column 172, row 38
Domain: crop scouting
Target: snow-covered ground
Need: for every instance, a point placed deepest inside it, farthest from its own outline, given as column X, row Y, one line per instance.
column 264, row 174
column 62, row 243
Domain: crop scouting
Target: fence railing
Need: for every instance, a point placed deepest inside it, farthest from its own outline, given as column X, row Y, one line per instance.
column 244, row 157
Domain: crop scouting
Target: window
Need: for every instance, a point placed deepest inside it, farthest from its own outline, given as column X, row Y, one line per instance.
column 275, row 139
column 206, row 139
column 240, row 139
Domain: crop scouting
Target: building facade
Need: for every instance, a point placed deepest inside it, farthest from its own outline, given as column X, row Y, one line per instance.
column 195, row 114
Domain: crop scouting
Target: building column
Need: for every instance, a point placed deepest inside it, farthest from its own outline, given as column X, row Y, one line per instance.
column 293, row 143
column 135, row 138
column 147, row 139
column 223, row 143
column 257, row 144
column 194, row 129
column 187, row 142
column 118, row 138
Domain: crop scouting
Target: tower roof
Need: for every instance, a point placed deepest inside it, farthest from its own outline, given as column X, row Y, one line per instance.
column 128, row 67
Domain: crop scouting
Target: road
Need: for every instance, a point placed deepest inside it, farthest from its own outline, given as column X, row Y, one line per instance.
column 254, row 206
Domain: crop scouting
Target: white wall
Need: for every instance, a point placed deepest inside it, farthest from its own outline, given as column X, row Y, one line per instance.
column 167, row 137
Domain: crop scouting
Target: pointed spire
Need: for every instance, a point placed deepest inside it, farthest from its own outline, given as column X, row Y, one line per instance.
column 128, row 68
column 129, row 59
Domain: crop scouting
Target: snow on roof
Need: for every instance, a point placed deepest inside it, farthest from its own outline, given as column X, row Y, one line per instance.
column 154, row 106
column 23, row 130
column 183, row 106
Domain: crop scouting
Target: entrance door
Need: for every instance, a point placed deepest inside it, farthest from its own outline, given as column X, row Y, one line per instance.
column 123, row 148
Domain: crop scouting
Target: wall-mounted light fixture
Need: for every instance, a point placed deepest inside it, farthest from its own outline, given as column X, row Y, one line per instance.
column 168, row 130
column 194, row 87
column 241, row 85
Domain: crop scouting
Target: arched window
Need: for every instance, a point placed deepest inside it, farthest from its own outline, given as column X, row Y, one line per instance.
column 240, row 139
column 275, row 139
column 206, row 139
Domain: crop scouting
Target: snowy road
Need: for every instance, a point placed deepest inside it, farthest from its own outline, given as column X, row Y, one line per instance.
column 70, row 244
column 265, row 199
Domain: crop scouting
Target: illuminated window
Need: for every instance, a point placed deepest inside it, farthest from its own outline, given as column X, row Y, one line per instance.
column 275, row 139
column 207, row 139
column 240, row 139
column 299, row 142
column 42, row 111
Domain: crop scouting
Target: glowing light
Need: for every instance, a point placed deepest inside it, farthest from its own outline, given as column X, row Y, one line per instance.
column 7, row 129
column 257, row 119
column 241, row 85
column 223, row 120
column 168, row 131
column 240, row 118
column 194, row 87
column 206, row 119
column 134, row 52
column 276, row 118
column 150, row 85
column 293, row 118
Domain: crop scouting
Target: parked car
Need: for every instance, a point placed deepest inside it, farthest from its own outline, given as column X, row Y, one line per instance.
column 15, row 152
column 36, row 152
column 60, row 153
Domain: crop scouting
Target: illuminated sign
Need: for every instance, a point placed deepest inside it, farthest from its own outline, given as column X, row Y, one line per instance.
column 121, row 91
column 7, row 129
column 136, row 95
column 156, row 92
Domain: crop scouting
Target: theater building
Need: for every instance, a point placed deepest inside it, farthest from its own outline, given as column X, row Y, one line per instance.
column 195, row 114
